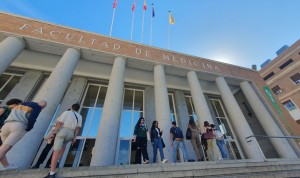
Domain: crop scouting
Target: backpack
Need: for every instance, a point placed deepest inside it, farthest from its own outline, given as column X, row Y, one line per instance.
column 178, row 134
column 218, row 135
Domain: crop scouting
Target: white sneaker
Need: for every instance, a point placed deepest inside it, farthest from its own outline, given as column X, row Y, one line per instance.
column 146, row 162
column 10, row 167
column 165, row 160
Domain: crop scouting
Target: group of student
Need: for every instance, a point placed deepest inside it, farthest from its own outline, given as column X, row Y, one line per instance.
column 209, row 139
column 17, row 118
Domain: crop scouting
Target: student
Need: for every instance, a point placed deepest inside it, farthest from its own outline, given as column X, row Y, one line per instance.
column 44, row 154
column 5, row 111
column 66, row 130
column 220, row 142
column 157, row 142
column 209, row 134
column 176, row 139
column 195, row 140
column 140, row 137
column 20, row 121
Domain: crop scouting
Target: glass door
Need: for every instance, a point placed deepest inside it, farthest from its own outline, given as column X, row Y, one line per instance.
column 226, row 129
column 133, row 109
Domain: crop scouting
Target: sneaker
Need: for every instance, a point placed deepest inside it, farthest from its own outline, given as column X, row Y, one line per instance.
column 10, row 167
column 165, row 160
column 146, row 162
column 50, row 176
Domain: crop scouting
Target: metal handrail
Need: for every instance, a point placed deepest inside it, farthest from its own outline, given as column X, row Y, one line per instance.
column 264, row 136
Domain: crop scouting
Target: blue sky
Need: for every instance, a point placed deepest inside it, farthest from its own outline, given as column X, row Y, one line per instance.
column 239, row 32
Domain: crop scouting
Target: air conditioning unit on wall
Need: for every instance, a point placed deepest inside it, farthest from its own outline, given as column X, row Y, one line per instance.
column 278, row 92
column 297, row 82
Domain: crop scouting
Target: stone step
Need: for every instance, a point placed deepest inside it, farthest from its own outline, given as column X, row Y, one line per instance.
column 228, row 168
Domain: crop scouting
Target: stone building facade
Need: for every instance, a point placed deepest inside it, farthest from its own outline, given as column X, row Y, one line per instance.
column 118, row 81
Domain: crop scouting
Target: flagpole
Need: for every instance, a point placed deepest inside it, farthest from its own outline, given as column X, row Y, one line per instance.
column 132, row 25
column 143, row 26
column 151, row 27
column 112, row 21
column 169, row 31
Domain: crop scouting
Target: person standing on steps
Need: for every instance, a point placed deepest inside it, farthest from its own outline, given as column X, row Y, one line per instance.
column 176, row 139
column 140, row 137
column 157, row 142
column 195, row 140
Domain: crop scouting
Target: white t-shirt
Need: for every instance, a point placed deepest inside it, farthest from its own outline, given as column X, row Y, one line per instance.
column 69, row 120
column 157, row 132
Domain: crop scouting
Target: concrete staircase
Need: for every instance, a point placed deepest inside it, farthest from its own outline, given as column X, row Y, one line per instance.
column 229, row 168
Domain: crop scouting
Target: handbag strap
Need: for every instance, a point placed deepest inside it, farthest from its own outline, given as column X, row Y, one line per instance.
column 76, row 117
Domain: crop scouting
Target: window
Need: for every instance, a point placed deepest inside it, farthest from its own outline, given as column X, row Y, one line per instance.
column 286, row 64
column 191, row 109
column 269, row 76
column 7, row 83
column 289, row 105
column 296, row 78
column 276, row 90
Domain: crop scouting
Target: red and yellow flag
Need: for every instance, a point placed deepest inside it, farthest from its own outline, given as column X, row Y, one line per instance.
column 115, row 4
column 145, row 5
column 171, row 19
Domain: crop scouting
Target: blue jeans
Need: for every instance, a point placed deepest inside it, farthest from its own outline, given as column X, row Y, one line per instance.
column 158, row 144
column 182, row 147
column 221, row 144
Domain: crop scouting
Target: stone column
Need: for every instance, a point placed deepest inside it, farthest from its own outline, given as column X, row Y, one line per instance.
column 25, row 86
column 10, row 48
column 282, row 146
column 106, row 141
column 52, row 91
column 149, row 118
column 199, row 100
column 162, row 108
column 241, row 127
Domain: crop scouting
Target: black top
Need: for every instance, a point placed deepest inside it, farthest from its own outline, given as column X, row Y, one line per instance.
column 154, row 134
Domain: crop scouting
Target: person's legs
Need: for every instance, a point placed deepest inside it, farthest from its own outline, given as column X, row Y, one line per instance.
column 155, row 145
column 11, row 133
column 175, row 145
column 54, row 159
column 221, row 145
column 183, row 150
column 196, row 149
column 161, row 151
column 144, row 149
column 138, row 151
column 210, row 153
column 3, row 150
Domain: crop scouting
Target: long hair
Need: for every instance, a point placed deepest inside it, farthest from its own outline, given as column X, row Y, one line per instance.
column 206, row 124
column 139, row 122
column 192, row 123
column 153, row 125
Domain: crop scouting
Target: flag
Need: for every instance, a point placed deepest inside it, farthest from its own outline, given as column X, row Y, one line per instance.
column 171, row 19
column 145, row 6
column 133, row 5
column 153, row 14
column 115, row 4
